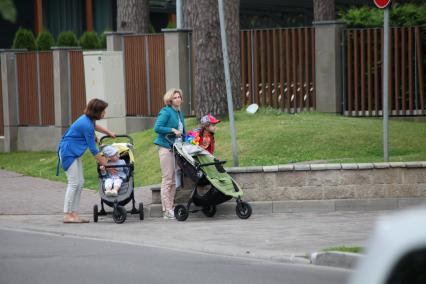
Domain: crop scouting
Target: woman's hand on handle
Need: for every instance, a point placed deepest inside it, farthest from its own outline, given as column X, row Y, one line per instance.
column 103, row 162
column 177, row 132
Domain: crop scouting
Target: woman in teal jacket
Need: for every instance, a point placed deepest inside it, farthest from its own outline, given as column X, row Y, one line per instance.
column 170, row 120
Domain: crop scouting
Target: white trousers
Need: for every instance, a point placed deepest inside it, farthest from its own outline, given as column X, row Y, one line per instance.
column 75, row 186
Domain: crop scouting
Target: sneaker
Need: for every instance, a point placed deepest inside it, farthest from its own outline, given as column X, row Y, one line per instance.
column 169, row 215
column 114, row 192
column 109, row 192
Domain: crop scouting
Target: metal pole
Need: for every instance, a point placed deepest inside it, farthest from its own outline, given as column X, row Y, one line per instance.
column 228, row 84
column 179, row 21
column 385, row 84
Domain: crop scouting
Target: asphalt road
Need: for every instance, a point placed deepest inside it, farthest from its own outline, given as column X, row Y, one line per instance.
column 27, row 257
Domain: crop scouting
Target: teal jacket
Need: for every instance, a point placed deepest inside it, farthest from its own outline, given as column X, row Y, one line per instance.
column 166, row 120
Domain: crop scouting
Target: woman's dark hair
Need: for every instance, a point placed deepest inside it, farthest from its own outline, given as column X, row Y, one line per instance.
column 94, row 108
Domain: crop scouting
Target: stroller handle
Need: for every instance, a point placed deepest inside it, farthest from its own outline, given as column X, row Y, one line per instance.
column 117, row 166
column 130, row 139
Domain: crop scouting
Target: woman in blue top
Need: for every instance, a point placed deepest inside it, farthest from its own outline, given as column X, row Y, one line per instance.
column 170, row 120
column 80, row 136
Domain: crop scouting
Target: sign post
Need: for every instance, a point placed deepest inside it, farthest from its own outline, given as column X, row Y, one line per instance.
column 384, row 4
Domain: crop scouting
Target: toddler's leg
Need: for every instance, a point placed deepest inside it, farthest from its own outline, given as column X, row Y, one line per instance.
column 108, row 186
column 117, row 185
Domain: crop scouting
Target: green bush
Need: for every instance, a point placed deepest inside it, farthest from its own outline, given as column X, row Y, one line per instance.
column 89, row 40
column 405, row 15
column 102, row 41
column 401, row 15
column 44, row 40
column 67, row 39
column 171, row 25
column 24, row 39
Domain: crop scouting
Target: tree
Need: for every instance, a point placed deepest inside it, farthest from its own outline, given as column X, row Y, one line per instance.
column 324, row 10
column 133, row 16
column 210, row 89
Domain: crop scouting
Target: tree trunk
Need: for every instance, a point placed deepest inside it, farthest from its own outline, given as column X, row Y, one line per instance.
column 324, row 10
column 133, row 16
column 209, row 85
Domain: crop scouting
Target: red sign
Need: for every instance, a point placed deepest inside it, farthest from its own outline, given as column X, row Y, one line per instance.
column 381, row 4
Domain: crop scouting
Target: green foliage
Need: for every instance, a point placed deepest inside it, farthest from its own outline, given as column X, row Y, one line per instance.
column 44, row 40
column 67, row 38
column 405, row 15
column 345, row 249
column 102, row 41
column 89, row 40
column 8, row 10
column 401, row 15
column 171, row 25
column 24, row 39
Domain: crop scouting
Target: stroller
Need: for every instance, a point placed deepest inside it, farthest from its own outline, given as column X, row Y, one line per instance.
column 126, row 192
column 204, row 169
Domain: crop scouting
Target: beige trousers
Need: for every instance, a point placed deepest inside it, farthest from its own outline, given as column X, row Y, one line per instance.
column 168, row 184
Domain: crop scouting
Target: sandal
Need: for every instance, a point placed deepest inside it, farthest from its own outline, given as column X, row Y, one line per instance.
column 76, row 221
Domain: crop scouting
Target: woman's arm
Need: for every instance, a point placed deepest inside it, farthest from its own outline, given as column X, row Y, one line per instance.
column 161, row 126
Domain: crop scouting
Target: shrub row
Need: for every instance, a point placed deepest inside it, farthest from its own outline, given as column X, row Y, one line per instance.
column 400, row 16
column 89, row 40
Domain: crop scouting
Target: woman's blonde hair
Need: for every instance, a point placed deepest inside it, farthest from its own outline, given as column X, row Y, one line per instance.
column 168, row 96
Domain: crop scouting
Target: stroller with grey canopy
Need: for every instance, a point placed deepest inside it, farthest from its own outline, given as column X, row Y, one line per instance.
column 126, row 192
column 205, row 170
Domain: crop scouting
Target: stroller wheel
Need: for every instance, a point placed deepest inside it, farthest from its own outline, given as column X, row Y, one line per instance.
column 119, row 214
column 141, row 215
column 95, row 213
column 243, row 210
column 209, row 211
column 181, row 213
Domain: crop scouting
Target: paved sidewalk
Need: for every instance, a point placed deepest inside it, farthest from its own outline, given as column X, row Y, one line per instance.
column 33, row 204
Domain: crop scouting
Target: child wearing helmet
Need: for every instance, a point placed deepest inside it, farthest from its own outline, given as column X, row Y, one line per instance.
column 207, row 131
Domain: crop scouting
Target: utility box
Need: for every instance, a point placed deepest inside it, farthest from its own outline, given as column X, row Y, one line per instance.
column 104, row 76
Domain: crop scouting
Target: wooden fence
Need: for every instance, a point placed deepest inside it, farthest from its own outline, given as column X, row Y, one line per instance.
column 144, row 69
column 36, row 91
column 363, row 72
column 278, row 68
column 77, row 83
column 1, row 108
column 35, row 88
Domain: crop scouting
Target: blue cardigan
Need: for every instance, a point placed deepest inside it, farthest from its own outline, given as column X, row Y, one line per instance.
column 79, row 136
column 167, row 119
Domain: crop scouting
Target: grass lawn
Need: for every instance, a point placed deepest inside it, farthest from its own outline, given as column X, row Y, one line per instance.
column 268, row 137
column 346, row 249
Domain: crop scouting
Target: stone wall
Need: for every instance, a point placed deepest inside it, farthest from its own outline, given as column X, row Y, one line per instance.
column 332, row 181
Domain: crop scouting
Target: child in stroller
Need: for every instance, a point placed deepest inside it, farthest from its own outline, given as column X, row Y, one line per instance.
column 126, row 191
column 113, row 182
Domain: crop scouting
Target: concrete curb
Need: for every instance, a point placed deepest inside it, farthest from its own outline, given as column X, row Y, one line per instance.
column 336, row 259
column 299, row 206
